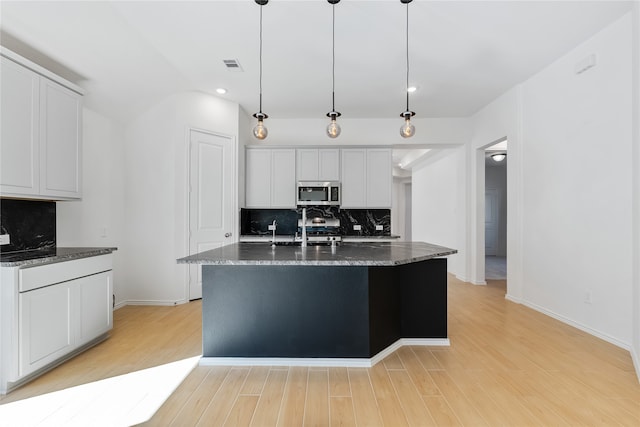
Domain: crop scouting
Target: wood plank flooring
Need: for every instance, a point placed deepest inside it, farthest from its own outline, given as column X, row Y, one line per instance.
column 507, row 365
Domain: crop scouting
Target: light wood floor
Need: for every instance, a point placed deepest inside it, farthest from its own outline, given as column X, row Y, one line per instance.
column 507, row 365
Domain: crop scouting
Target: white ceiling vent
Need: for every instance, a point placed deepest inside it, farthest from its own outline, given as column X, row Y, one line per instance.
column 232, row 65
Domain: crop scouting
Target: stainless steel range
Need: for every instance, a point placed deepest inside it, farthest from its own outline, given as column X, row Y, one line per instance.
column 322, row 230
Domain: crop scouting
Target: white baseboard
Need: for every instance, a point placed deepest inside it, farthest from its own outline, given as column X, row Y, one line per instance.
column 322, row 361
column 578, row 325
column 480, row 283
column 461, row 278
column 512, row 299
column 635, row 357
column 149, row 302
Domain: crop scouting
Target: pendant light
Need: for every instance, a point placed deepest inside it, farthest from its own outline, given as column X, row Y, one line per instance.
column 333, row 129
column 407, row 130
column 260, row 131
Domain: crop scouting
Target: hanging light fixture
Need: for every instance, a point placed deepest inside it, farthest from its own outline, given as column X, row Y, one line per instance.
column 407, row 130
column 333, row 128
column 498, row 157
column 260, row 131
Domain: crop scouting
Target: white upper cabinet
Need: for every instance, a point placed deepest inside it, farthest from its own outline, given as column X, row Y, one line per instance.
column 354, row 178
column 365, row 174
column 19, row 131
column 258, row 178
column 283, row 178
column 366, row 178
column 379, row 178
column 60, row 141
column 270, row 178
column 318, row 164
column 41, row 125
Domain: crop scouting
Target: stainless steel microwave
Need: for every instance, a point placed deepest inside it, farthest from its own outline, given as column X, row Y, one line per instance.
column 314, row 193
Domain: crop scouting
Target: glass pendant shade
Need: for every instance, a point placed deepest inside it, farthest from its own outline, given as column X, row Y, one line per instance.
column 333, row 129
column 260, row 131
column 407, row 130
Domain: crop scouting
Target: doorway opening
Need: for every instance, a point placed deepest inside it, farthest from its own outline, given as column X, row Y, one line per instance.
column 495, row 208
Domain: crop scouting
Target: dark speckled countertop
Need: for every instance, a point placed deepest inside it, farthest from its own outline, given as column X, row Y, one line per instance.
column 49, row 256
column 358, row 254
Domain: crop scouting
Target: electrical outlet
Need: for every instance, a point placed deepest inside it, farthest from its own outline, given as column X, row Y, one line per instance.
column 587, row 297
column 5, row 239
column 379, row 228
column 357, row 227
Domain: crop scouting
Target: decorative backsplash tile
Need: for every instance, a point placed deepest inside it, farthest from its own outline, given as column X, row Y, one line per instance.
column 30, row 224
column 257, row 221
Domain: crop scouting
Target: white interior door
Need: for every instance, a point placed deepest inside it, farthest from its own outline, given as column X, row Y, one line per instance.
column 491, row 221
column 211, row 198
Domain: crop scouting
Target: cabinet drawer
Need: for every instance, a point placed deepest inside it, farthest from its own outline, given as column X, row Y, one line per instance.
column 37, row 277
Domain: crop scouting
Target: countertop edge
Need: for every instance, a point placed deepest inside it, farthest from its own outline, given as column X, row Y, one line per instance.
column 82, row 253
column 203, row 259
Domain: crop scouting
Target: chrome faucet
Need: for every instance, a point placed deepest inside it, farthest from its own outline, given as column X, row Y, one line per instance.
column 273, row 228
column 304, row 227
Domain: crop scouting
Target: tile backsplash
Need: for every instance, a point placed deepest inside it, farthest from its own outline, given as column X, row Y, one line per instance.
column 256, row 221
column 30, row 224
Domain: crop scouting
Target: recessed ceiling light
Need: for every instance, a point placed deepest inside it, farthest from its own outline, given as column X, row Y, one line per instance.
column 221, row 90
column 412, row 89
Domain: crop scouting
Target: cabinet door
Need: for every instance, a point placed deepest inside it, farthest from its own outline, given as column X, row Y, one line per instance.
column 258, row 178
column 283, row 178
column 96, row 307
column 329, row 164
column 307, row 164
column 19, row 132
column 379, row 178
column 47, row 320
column 354, row 178
column 60, row 137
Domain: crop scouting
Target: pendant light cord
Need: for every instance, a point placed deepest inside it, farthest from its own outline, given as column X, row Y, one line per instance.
column 333, row 58
column 260, row 59
column 407, row 88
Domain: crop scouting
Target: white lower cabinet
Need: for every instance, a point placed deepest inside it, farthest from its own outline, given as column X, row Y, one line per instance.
column 46, row 326
column 96, row 306
column 49, row 312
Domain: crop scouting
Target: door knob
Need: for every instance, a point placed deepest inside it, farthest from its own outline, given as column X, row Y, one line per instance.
column 227, row 234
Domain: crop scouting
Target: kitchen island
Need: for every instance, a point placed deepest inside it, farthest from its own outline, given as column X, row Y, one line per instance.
column 348, row 305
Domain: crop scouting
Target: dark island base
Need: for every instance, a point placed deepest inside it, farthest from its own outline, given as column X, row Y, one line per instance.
column 272, row 311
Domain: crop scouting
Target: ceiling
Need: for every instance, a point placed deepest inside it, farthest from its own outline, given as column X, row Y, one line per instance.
column 463, row 54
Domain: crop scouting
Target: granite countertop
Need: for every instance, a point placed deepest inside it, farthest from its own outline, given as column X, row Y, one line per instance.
column 354, row 254
column 49, row 256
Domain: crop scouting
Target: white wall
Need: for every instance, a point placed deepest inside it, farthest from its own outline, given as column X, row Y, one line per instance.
column 156, row 195
column 499, row 120
column 577, row 202
column 438, row 205
column 569, row 198
column 635, row 344
column 98, row 219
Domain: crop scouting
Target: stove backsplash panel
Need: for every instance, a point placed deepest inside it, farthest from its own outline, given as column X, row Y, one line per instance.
column 256, row 221
column 30, row 224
